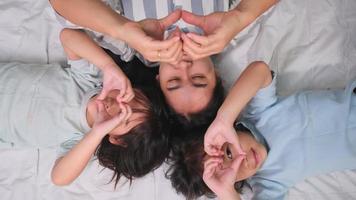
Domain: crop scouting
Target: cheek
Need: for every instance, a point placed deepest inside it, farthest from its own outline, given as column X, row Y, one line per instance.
column 244, row 172
column 92, row 109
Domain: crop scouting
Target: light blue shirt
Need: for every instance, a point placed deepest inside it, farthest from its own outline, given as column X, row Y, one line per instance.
column 306, row 134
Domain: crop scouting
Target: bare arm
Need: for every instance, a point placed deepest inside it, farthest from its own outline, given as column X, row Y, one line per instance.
column 256, row 76
column 248, row 10
column 70, row 166
column 78, row 44
column 97, row 16
column 221, row 180
column 92, row 14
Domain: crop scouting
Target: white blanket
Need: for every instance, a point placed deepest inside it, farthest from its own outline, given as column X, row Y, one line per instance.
column 310, row 44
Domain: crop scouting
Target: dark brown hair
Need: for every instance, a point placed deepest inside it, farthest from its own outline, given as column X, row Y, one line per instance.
column 187, row 168
column 145, row 147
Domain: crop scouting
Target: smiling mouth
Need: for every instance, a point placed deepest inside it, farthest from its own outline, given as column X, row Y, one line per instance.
column 256, row 156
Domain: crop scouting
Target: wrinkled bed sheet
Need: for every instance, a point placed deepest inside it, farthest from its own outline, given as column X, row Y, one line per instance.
column 310, row 44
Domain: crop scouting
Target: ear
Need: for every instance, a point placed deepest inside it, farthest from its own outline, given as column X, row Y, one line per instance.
column 116, row 141
column 157, row 77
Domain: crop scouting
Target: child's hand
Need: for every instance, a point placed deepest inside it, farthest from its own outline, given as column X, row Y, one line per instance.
column 219, row 133
column 221, row 180
column 115, row 79
column 104, row 123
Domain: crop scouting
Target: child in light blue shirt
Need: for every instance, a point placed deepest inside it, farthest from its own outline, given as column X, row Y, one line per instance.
column 284, row 140
column 294, row 137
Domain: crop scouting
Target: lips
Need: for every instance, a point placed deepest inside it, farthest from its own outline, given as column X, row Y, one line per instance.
column 256, row 157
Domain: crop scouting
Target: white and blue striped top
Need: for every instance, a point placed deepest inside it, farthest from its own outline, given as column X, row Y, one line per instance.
column 141, row 9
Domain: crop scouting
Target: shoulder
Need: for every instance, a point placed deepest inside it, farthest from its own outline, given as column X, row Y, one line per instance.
column 268, row 189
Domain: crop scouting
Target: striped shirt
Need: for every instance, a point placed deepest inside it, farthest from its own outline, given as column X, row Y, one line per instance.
column 137, row 10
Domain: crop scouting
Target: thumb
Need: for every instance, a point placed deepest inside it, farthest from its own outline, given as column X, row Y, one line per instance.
column 236, row 164
column 170, row 19
column 193, row 19
column 175, row 33
column 114, row 122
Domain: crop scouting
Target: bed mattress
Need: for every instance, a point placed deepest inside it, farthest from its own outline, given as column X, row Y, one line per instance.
column 309, row 44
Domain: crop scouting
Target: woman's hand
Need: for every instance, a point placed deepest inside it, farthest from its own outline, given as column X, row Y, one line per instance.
column 104, row 123
column 115, row 79
column 219, row 29
column 221, row 180
column 146, row 37
column 219, row 133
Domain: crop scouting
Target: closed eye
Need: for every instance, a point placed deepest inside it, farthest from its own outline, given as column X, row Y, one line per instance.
column 199, row 81
column 173, row 84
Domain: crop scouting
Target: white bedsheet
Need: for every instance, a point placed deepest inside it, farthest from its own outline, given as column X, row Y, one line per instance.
column 310, row 44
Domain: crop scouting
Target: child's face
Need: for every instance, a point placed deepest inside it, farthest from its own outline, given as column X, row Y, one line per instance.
column 112, row 109
column 256, row 154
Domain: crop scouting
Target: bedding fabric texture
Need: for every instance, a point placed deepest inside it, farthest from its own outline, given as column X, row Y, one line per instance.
column 309, row 44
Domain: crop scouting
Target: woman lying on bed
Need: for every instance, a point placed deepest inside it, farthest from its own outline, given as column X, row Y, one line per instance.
column 47, row 105
column 188, row 86
column 280, row 141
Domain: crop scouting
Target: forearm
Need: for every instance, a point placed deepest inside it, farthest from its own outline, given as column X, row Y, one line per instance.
column 92, row 14
column 69, row 167
column 79, row 45
column 256, row 76
column 248, row 10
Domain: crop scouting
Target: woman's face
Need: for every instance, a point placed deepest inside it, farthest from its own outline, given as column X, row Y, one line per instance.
column 112, row 109
column 187, row 86
column 256, row 154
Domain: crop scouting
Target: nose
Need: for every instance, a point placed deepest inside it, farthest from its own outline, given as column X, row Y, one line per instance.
column 183, row 65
